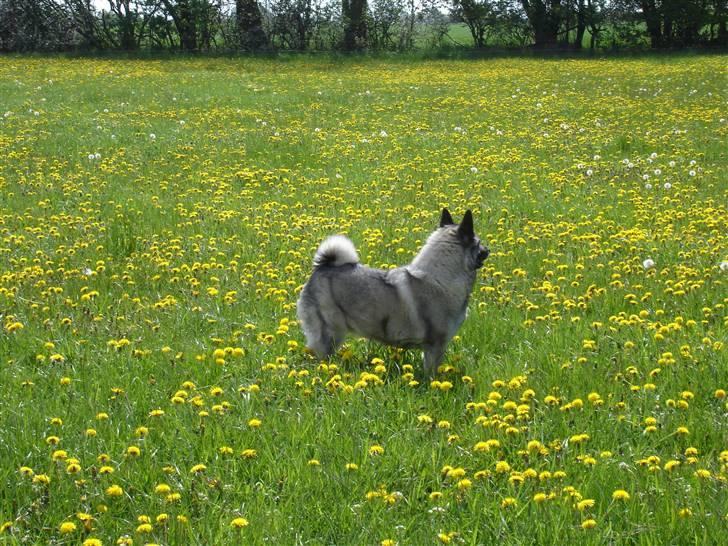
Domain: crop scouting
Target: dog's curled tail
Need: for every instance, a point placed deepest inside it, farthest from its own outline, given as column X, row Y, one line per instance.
column 335, row 251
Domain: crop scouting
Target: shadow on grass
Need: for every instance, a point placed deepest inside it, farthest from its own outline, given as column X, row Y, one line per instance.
column 449, row 52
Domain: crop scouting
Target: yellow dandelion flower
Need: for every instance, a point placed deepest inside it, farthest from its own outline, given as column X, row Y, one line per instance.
column 114, row 491
column 239, row 523
column 67, row 527
column 539, row 498
column 42, row 479
column 502, row 467
column 446, row 538
column 162, row 489
column 376, row 450
column 620, row 495
column 585, row 504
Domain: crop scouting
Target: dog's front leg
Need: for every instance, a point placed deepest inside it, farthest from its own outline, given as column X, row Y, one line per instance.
column 434, row 354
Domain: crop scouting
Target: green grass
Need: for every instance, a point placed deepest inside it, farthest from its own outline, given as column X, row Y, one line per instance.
column 129, row 271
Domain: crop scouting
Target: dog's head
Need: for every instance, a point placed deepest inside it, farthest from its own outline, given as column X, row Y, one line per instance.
column 475, row 252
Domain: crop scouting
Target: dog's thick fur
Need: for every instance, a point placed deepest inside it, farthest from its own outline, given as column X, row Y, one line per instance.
column 418, row 305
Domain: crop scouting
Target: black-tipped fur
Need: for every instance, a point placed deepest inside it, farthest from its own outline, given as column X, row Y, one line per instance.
column 465, row 230
column 326, row 258
column 446, row 218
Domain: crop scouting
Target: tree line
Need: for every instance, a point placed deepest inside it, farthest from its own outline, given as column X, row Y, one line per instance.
column 354, row 25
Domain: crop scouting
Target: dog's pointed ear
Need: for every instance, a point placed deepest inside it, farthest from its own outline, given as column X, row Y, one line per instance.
column 446, row 218
column 465, row 230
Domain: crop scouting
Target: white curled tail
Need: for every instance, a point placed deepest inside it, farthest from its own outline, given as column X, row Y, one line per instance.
column 335, row 251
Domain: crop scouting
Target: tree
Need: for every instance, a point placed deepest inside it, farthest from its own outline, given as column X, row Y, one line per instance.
column 292, row 23
column 195, row 22
column 489, row 20
column 354, row 13
column 581, row 23
column 385, row 14
column 718, row 22
column 407, row 30
column 86, row 22
column 126, row 21
column 183, row 14
column 477, row 16
column 545, row 17
column 31, row 25
column 249, row 21
column 595, row 17
column 672, row 23
column 436, row 23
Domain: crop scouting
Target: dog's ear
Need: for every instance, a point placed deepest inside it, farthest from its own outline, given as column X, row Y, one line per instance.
column 465, row 229
column 446, row 218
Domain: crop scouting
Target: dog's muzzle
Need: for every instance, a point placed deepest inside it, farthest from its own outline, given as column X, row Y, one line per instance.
column 483, row 253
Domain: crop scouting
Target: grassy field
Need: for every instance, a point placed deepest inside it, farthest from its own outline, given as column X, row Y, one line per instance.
column 157, row 220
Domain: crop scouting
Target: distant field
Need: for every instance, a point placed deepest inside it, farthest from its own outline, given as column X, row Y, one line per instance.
column 460, row 33
column 157, row 220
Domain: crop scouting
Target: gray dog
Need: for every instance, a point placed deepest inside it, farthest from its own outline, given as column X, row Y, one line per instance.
column 418, row 305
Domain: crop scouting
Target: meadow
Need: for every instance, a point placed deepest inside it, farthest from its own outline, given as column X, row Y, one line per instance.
column 158, row 219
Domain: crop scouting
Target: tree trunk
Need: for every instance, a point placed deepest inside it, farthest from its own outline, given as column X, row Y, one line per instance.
column 355, row 28
column 187, row 26
column 184, row 17
column 545, row 19
column 546, row 35
column 250, row 25
column 580, row 25
column 476, row 31
column 667, row 35
column 127, row 35
column 652, row 19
